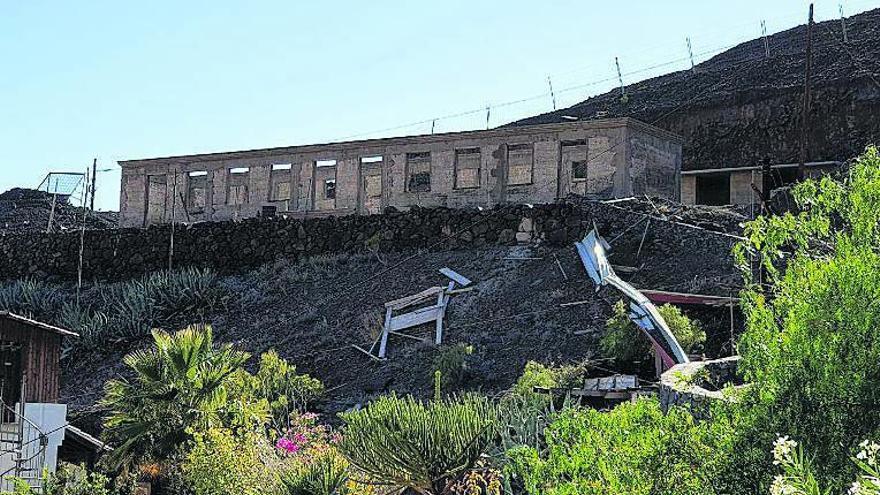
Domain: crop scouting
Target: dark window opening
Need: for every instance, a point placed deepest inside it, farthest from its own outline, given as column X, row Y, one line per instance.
column 784, row 176
column 713, row 189
column 574, row 142
column 579, row 170
column 330, row 189
column 418, row 172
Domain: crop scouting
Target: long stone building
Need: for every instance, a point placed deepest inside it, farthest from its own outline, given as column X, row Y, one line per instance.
column 528, row 164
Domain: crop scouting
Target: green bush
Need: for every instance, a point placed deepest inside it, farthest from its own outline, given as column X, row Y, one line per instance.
column 453, row 363
column 326, row 475
column 538, row 375
column 633, row 449
column 624, row 341
column 405, row 443
column 76, row 480
column 277, row 382
column 221, row 462
column 812, row 345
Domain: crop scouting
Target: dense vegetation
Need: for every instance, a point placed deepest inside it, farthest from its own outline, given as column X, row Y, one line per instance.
column 192, row 419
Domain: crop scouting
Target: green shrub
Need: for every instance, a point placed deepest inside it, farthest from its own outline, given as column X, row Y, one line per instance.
column 406, row 443
column 453, row 363
column 221, row 462
column 633, row 449
column 277, row 382
column 76, row 480
column 325, row 475
column 538, row 375
column 624, row 341
column 812, row 345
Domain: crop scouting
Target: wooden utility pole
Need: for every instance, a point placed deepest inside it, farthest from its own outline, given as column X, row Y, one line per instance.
column 94, row 178
column 805, row 115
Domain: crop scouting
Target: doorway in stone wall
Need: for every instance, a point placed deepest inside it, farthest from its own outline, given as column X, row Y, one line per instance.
column 370, row 194
column 157, row 191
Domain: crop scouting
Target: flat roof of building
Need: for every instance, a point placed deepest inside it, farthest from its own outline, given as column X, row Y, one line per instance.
column 415, row 139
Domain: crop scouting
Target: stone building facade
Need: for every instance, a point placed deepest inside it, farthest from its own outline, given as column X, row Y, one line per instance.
column 608, row 158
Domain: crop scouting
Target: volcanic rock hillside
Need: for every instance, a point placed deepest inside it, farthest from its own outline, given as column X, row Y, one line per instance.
column 29, row 210
column 741, row 107
column 314, row 310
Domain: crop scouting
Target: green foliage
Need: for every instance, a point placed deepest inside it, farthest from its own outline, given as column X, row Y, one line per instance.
column 538, row 375
column 28, row 297
column 177, row 386
column 632, row 449
column 624, row 342
column 812, row 345
column 326, row 475
column 406, row 443
column 278, row 383
column 453, row 363
column 121, row 310
column 221, row 462
column 76, row 480
column 798, row 477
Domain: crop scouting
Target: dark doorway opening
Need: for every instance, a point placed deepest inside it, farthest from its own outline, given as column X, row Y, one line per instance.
column 713, row 189
column 10, row 379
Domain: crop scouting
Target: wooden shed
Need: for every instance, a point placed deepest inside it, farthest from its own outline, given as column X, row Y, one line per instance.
column 30, row 360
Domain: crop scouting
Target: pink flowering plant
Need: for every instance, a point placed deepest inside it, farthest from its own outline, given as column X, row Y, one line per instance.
column 305, row 439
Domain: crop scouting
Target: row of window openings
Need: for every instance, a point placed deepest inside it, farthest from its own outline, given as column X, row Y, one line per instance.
column 467, row 174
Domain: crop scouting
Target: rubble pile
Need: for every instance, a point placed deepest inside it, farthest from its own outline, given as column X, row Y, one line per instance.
column 29, row 210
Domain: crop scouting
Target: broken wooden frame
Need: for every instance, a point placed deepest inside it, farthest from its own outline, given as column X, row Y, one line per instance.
column 642, row 311
column 420, row 316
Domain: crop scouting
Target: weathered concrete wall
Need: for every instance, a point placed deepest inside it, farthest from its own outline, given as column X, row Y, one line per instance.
column 522, row 165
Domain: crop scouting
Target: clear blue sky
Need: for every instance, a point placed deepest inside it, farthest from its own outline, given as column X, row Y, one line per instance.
column 121, row 80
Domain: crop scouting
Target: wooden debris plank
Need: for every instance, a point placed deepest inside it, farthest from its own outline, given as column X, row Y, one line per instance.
column 374, row 358
column 413, row 299
column 415, row 318
column 456, row 277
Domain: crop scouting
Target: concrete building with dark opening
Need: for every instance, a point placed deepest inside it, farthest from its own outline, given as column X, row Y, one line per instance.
column 606, row 159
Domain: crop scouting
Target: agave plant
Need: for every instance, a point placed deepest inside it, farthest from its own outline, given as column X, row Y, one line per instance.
column 421, row 446
column 29, row 297
column 179, row 384
column 327, row 475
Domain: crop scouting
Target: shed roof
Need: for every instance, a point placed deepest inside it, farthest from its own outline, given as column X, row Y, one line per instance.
column 37, row 324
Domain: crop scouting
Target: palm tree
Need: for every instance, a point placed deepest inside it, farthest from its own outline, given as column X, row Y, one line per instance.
column 177, row 386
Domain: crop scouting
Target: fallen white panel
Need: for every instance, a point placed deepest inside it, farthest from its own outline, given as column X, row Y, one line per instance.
column 592, row 251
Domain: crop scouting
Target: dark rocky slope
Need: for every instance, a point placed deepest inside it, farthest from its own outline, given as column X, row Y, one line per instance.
column 741, row 107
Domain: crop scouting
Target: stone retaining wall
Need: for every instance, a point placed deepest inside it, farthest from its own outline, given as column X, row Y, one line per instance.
column 231, row 246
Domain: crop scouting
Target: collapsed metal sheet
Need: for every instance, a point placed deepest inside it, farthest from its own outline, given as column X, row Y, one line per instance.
column 592, row 251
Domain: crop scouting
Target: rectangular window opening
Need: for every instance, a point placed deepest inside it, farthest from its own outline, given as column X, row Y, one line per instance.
column 467, row 168
column 579, row 170
column 325, row 163
column 239, row 170
column 330, row 189
column 198, row 173
column 418, row 172
column 574, row 142
column 281, row 166
column 371, row 159
column 520, row 162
